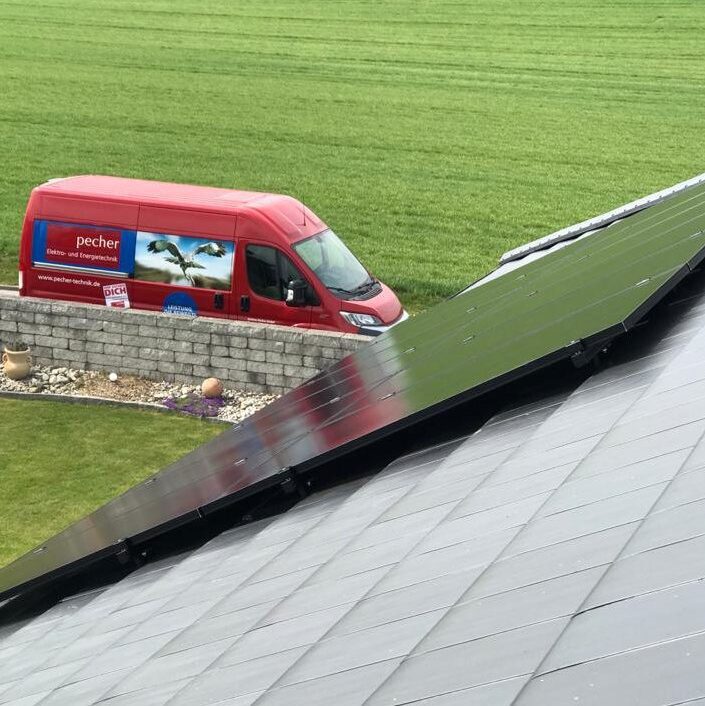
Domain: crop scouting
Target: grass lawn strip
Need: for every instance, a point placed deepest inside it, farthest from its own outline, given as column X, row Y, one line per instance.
column 59, row 462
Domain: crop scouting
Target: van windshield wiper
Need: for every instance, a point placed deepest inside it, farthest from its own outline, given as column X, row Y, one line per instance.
column 365, row 286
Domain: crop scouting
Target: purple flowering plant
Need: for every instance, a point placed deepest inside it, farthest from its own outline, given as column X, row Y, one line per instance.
column 195, row 404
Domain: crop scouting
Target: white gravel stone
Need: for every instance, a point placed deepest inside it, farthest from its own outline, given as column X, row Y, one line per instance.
column 68, row 381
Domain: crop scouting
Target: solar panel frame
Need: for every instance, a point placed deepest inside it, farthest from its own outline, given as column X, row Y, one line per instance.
column 601, row 221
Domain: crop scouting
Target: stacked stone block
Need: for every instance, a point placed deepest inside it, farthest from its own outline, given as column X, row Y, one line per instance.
column 158, row 346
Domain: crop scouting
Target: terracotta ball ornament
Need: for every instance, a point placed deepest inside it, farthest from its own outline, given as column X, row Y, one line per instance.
column 212, row 387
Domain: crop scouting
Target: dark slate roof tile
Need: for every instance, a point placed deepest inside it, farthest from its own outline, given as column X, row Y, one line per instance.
column 239, row 681
column 334, row 533
column 616, row 457
column 669, row 673
column 499, row 693
column 680, row 376
column 41, row 681
column 357, row 649
column 697, row 457
column 7, row 657
column 489, row 496
column 674, row 525
column 23, row 663
column 350, row 688
column 281, row 636
column 423, row 498
column 587, row 551
column 5, row 687
column 423, row 566
column 610, row 384
column 32, row 631
column 153, row 696
column 205, row 590
column 624, row 625
column 119, row 657
column 31, row 700
column 218, row 627
column 66, row 633
column 652, row 570
column 434, row 454
column 551, row 455
column 642, row 448
column 580, row 418
column 167, row 585
column 162, row 670
column 687, row 487
column 494, row 658
column 361, row 560
column 164, row 622
column 420, row 523
column 86, row 645
column 316, row 596
column 487, row 444
column 127, row 617
column 454, row 531
column 685, row 416
column 404, row 602
column 457, row 469
column 85, row 691
column 653, row 403
column 572, row 430
column 518, row 468
column 535, row 603
column 597, row 516
column 243, row 562
column 252, row 594
column 612, row 483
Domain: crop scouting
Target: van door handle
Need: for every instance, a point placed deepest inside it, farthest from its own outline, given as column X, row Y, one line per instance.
column 244, row 303
column 218, row 301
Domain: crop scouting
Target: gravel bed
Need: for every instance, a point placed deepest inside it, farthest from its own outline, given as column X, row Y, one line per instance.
column 67, row 381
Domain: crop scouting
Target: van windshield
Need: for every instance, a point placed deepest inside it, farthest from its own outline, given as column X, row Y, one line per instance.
column 339, row 270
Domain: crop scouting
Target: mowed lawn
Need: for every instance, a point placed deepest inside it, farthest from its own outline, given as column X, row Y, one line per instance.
column 430, row 135
column 58, row 462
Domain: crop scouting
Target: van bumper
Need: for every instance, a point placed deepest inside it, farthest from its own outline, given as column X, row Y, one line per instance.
column 377, row 330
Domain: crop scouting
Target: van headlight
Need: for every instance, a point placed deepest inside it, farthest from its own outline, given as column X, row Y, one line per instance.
column 357, row 319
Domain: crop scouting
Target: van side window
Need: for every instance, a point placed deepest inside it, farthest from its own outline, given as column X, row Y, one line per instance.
column 269, row 271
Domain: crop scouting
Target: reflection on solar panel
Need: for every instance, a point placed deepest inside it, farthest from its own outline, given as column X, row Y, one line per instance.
column 552, row 308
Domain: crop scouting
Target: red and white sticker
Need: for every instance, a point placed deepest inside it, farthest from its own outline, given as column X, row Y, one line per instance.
column 116, row 296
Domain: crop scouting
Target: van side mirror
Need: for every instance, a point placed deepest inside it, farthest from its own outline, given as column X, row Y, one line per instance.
column 296, row 293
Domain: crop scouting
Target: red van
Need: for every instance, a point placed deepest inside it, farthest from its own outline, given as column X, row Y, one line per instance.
column 196, row 250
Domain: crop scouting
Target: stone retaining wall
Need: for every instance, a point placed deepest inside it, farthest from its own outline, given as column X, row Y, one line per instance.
column 173, row 348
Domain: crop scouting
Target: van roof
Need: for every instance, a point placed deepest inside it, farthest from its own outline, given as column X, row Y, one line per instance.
column 295, row 219
column 139, row 189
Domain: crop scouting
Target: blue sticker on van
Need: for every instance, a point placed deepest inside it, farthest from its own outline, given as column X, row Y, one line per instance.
column 181, row 304
column 83, row 247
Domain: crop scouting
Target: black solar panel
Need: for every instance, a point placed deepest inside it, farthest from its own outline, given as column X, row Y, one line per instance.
column 552, row 308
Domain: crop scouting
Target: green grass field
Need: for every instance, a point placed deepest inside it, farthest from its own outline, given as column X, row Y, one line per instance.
column 430, row 135
column 58, row 462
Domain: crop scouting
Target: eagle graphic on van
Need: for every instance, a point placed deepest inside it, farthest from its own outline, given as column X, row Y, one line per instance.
column 186, row 263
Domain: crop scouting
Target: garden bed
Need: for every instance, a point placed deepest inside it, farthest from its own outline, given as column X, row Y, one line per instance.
column 233, row 406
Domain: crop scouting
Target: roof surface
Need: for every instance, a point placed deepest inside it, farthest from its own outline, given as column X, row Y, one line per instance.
column 555, row 556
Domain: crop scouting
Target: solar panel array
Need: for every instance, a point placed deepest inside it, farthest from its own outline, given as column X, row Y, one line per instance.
column 548, row 310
